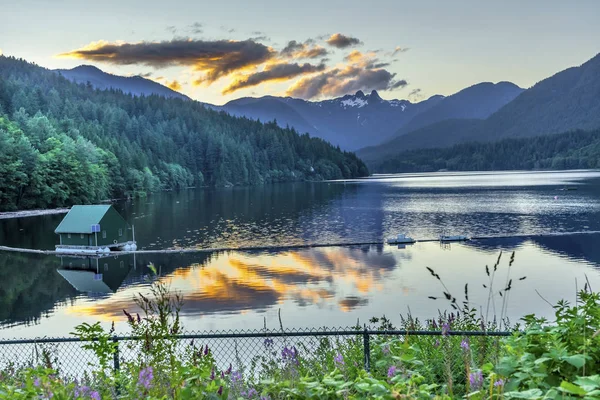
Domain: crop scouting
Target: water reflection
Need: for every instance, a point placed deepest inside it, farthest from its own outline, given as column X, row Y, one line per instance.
column 312, row 287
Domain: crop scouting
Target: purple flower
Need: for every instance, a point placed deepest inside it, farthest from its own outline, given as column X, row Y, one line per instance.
column 129, row 317
column 228, row 371
column 391, row 371
column 386, row 349
column 138, row 318
column 476, row 380
column 433, row 324
column 445, row 329
column 251, row 393
column 268, row 342
column 206, row 350
column 236, row 377
column 290, row 354
column 499, row 382
column 437, row 343
column 37, row 382
column 95, row 396
column 220, row 391
column 212, row 374
column 339, row 359
column 465, row 345
column 145, row 377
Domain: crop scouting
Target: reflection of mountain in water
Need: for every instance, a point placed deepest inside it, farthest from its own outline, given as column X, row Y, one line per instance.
column 574, row 247
column 30, row 288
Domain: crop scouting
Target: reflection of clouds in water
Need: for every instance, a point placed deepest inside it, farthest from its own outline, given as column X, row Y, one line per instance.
column 233, row 282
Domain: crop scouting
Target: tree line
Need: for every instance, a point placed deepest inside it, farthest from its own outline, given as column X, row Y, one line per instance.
column 572, row 150
column 63, row 143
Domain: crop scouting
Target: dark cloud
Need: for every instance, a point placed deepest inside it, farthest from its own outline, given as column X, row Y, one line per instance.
column 215, row 59
column 172, row 29
column 352, row 302
column 342, row 41
column 415, row 94
column 273, row 72
column 296, row 49
column 259, row 33
column 146, row 75
column 260, row 38
column 196, row 28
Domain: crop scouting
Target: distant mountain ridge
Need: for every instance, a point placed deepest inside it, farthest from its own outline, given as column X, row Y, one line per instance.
column 351, row 121
column 566, row 101
column 135, row 85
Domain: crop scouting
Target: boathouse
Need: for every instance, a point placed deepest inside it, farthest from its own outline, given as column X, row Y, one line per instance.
column 94, row 227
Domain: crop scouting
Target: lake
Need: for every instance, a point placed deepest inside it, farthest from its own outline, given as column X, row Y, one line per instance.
column 329, row 286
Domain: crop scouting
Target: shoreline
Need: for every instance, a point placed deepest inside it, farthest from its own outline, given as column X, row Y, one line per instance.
column 32, row 213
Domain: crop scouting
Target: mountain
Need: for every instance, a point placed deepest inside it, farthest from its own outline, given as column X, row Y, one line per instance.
column 62, row 143
column 351, row 121
column 135, row 85
column 475, row 102
column 566, row 101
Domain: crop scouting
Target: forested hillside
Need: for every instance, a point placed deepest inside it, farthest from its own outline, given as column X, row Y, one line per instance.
column 62, row 143
column 573, row 150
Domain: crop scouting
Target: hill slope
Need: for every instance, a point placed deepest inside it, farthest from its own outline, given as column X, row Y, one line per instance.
column 63, row 143
column 135, row 85
column 475, row 102
column 566, row 101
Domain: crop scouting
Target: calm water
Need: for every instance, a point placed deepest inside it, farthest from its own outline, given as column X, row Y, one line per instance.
column 335, row 286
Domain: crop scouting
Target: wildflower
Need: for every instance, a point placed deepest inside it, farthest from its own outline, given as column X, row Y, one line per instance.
column 386, row 349
column 290, row 354
column 391, row 371
column 212, row 374
column 445, row 329
column 476, row 380
column 129, row 317
column 339, row 359
column 268, row 342
column 220, row 391
column 251, row 393
column 145, row 377
column 236, row 377
column 37, row 382
column 228, row 371
column 206, row 350
column 433, row 324
column 465, row 345
column 95, row 396
column 138, row 318
column 437, row 343
column 222, row 375
column 499, row 383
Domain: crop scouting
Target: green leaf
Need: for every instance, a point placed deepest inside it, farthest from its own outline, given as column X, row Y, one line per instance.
column 577, row 360
column 527, row 394
column 572, row 388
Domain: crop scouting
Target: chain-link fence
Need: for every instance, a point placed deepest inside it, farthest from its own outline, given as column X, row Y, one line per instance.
column 253, row 350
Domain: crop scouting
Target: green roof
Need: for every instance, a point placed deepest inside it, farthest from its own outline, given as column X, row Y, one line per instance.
column 81, row 218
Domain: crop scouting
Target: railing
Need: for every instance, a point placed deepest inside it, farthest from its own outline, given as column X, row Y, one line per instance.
column 237, row 347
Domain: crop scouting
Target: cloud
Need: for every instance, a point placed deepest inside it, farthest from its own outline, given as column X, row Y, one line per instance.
column 146, row 75
column 0, row 52
column 415, row 94
column 172, row 29
column 295, row 49
column 273, row 72
column 399, row 50
column 260, row 38
column 196, row 28
column 363, row 72
column 215, row 59
column 342, row 41
column 174, row 85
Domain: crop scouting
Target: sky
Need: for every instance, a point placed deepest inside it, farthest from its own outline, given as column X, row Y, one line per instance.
column 221, row 50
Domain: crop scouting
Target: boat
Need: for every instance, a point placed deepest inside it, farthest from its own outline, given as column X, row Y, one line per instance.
column 453, row 238
column 400, row 239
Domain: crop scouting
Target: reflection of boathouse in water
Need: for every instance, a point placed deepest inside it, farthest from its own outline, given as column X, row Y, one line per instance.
column 102, row 275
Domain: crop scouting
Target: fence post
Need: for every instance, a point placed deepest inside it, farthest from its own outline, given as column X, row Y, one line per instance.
column 116, row 354
column 367, row 349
